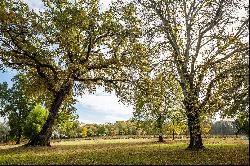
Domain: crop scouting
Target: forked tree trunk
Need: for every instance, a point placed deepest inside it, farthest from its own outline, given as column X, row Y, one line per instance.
column 43, row 138
column 194, row 131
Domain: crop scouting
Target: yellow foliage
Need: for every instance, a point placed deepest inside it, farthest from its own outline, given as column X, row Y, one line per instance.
column 84, row 131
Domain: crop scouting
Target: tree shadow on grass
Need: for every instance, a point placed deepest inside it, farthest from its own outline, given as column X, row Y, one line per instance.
column 139, row 153
column 68, row 147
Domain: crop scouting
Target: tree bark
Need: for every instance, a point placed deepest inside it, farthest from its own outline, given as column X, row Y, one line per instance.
column 160, row 121
column 43, row 138
column 173, row 134
column 194, row 131
column 19, row 135
column 160, row 138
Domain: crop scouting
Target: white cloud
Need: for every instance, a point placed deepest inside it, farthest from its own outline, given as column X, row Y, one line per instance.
column 36, row 5
column 102, row 107
column 85, row 121
column 107, row 104
column 105, row 4
column 1, row 119
column 101, row 119
column 111, row 118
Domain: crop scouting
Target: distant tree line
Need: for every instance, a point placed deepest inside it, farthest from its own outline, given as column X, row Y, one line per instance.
column 75, row 129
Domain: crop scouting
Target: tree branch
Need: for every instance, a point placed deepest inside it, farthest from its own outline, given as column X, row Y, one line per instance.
column 229, row 55
column 100, row 79
column 208, row 26
column 220, row 76
column 27, row 54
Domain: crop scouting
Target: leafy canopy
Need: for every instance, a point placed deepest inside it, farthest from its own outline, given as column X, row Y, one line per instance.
column 73, row 43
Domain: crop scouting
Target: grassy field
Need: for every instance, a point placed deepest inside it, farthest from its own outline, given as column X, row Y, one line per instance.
column 129, row 152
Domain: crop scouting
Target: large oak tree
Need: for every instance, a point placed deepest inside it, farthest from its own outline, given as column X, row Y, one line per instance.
column 68, row 48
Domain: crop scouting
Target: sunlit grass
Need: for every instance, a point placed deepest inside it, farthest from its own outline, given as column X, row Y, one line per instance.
column 129, row 151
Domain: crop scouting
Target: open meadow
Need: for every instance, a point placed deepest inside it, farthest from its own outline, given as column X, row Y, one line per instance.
column 218, row 151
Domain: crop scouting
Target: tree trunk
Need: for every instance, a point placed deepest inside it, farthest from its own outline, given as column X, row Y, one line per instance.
column 6, row 138
column 173, row 134
column 19, row 135
column 160, row 121
column 160, row 138
column 194, row 131
column 43, row 138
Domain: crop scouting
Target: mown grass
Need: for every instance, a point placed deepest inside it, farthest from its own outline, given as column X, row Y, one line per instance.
column 129, row 152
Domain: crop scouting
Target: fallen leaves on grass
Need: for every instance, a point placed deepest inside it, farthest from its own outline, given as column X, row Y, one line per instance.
column 127, row 152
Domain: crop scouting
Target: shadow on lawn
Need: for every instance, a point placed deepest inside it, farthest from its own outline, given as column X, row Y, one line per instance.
column 86, row 145
column 126, row 153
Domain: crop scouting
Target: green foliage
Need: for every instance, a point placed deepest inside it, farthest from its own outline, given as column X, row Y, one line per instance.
column 35, row 121
column 242, row 123
column 176, row 123
column 67, row 124
column 3, row 95
column 65, row 44
column 101, row 131
column 91, row 131
column 113, row 129
column 70, row 129
column 206, row 127
column 148, row 126
column 15, row 106
column 157, row 100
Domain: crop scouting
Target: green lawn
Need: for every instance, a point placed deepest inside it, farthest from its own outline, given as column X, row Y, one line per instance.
column 129, row 151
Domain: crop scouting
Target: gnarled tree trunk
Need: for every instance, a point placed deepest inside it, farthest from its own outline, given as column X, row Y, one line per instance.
column 194, row 131
column 43, row 138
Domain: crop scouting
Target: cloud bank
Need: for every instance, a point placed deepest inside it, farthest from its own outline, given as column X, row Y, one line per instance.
column 102, row 108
